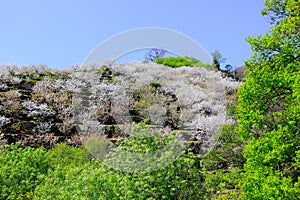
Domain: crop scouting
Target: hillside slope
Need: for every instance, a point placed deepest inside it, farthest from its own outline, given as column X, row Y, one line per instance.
column 39, row 106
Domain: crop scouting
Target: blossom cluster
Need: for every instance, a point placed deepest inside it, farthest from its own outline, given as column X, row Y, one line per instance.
column 91, row 97
column 4, row 121
column 199, row 94
column 37, row 111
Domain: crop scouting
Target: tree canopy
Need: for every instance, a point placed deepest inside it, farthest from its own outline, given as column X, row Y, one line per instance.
column 269, row 105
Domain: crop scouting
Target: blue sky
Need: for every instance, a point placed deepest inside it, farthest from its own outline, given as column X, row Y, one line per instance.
column 60, row 33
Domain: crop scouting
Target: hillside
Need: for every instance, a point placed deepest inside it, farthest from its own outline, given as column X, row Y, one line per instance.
column 177, row 129
column 42, row 107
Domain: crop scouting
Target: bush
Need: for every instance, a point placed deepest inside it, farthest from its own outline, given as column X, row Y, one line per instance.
column 64, row 155
column 223, row 184
column 175, row 62
column 155, row 84
column 21, row 170
column 94, row 180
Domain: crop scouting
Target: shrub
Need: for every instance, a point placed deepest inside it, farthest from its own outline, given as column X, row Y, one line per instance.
column 92, row 180
column 21, row 170
column 175, row 62
column 155, row 84
column 64, row 155
column 222, row 184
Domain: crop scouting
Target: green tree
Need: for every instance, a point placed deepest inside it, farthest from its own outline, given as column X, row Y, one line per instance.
column 217, row 60
column 269, row 105
column 72, row 177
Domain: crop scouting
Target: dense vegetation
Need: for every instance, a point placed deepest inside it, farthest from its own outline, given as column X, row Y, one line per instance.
column 181, row 61
column 268, row 113
column 255, row 153
column 67, row 172
column 37, row 110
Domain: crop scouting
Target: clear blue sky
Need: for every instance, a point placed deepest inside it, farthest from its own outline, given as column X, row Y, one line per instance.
column 60, row 33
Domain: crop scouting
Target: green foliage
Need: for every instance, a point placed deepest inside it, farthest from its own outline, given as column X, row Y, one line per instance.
column 269, row 104
column 216, row 64
column 155, row 84
column 179, row 180
column 217, row 60
column 227, row 153
column 66, row 172
column 268, row 167
column 146, row 150
column 21, row 170
column 175, row 62
column 197, row 63
column 277, row 10
column 64, row 155
column 223, row 164
column 222, row 184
